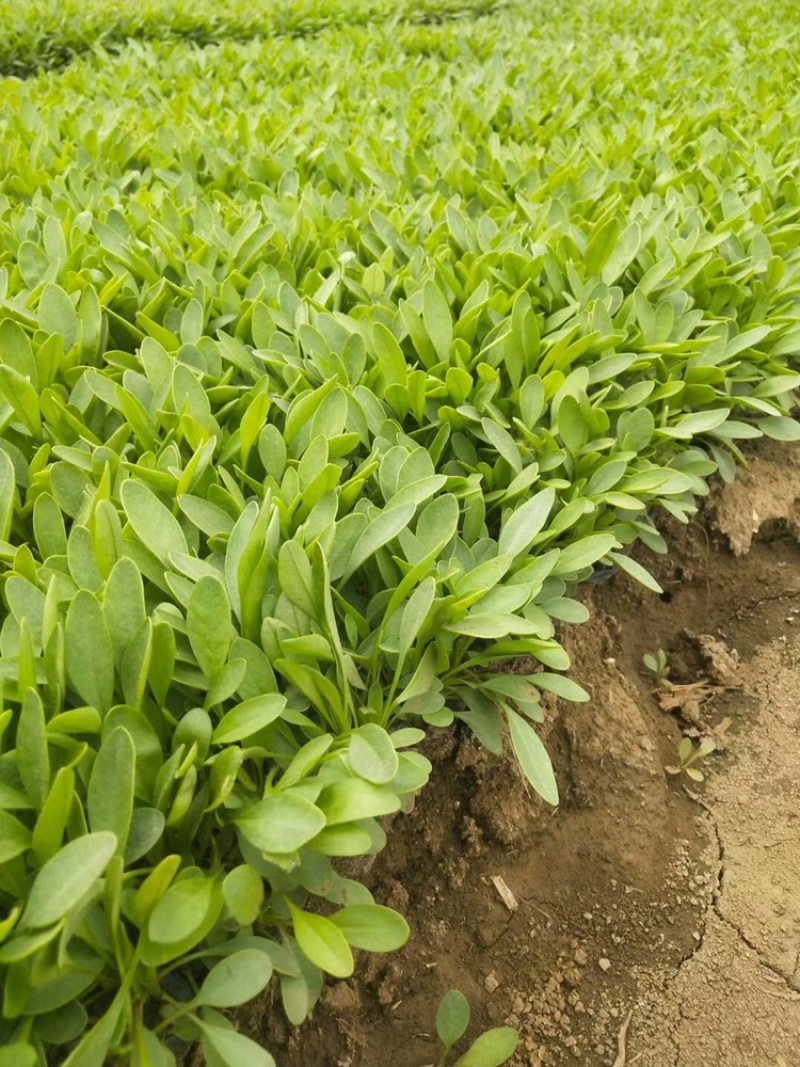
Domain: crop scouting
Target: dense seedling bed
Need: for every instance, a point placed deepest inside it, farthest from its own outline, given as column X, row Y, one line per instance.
column 330, row 366
column 47, row 34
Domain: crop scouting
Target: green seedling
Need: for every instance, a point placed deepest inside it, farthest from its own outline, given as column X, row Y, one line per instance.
column 689, row 754
column 658, row 665
column 492, row 1048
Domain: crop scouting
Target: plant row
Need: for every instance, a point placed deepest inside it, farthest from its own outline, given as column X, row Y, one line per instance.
column 48, row 34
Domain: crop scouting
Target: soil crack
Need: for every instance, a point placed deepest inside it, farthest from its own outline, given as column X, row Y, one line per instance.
column 789, row 980
column 742, row 610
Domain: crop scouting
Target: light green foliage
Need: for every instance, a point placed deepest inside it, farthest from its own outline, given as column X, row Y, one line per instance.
column 658, row 665
column 49, row 33
column 689, row 754
column 491, row 1049
column 330, row 366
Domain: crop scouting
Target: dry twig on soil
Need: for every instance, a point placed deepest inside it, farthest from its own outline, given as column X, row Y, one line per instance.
column 622, row 1057
column 505, row 893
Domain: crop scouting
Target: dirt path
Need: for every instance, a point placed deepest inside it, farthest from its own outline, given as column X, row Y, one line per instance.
column 736, row 999
column 644, row 892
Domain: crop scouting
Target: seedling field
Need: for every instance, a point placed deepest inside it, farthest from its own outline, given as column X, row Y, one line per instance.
column 339, row 346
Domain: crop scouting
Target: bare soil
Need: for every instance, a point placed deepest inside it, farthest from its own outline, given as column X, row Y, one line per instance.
column 644, row 893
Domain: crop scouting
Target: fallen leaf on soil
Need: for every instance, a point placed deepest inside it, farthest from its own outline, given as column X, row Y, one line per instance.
column 678, row 696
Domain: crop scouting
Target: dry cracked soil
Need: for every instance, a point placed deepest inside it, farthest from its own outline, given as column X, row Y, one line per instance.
column 651, row 919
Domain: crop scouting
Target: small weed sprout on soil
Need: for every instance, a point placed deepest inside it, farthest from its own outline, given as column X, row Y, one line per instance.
column 689, row 754
column 658, row 665
column 492, row 1048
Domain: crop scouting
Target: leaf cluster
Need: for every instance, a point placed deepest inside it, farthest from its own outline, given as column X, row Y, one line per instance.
column 51, row 33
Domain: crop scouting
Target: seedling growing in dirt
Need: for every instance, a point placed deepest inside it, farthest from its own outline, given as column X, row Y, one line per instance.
column 657, row 665
column 688, row 754
column 490, row 1050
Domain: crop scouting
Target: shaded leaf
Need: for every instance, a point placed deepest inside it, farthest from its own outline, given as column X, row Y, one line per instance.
column 452, row 1018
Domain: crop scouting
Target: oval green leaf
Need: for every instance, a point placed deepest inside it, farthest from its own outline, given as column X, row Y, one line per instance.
column 236, row 979
column 208, row 622
column 249, row 717
column 491, row 1049
column 372, row 754
column 522, row 526
column 532, row 757
column 152, row 522
column 322, row 942
column 89, row 652
column 66, row 877
column 110, row 793
column 181, row 911
column 452, row 1018
column 372, row 927
column 243, row 890
column 233, row 1048
column 281, row 823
